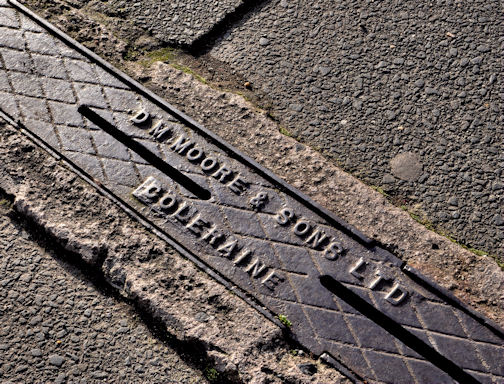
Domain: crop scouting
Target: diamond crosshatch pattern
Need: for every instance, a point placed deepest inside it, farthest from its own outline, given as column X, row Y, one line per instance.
column 42, row 83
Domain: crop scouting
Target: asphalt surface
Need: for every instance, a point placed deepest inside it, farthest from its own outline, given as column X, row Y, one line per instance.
column 406, row 96
column 58, row 326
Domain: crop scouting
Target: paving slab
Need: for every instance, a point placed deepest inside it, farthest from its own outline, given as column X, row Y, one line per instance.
column 146, row 141
column 407, row 97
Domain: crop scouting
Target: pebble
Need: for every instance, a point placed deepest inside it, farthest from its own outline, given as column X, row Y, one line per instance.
column 263, row 41
column 453, row 201
column 56, row 360
column 308, row 369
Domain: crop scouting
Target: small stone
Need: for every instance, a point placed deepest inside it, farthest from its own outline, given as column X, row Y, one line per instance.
column 35, row 320
column 390, row 115
column 324, row 70
column 477, row 60
column 56, row 360
column 419, row 83
column 388, row 179
column 453, row 201
column 36, row 352
column 60, row 379
column 483, row 48
column 406, row 166
column 263, row 41
column 21, row 369
column 498, row 220
column 88, row 312
column 202, row 317
column 308, row 369
column 296, row 107
column 25, row 277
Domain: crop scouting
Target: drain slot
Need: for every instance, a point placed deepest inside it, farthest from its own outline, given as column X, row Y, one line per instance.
column 395, row 329
column 146, row 154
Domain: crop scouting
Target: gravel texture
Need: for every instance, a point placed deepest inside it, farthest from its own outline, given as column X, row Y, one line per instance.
column 58, row 326
column 406, row 96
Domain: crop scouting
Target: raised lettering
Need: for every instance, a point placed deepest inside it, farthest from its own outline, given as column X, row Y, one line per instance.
column 208, row 164
column 182, row 213
column 194, row 154
column 197, row 224
column 238, row 185
column 396, row 295
column 316, row 238
column 302, row 228
column 245, row 253
column 181, row 144
column 272, row 280
column 333, row 251
column 167, row 202
column 222, row 173
column 354, row 271
column 284, row 216
column 227, row 250
column 256, row 268
column 159, row 132
column 212, row 236
column 379, row 278
column 148, row 191
column 140, row 118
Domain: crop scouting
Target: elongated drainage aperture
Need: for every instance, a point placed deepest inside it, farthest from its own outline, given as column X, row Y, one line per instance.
column 396, row 330
column 145, row 153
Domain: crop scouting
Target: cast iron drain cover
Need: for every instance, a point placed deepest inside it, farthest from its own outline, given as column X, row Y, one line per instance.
column 347, row 299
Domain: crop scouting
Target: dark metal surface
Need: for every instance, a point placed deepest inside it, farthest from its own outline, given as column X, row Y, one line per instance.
column 376, row 316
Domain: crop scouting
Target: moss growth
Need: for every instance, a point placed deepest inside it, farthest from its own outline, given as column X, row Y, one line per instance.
column 211, row 374
column 284, row 320
column 285, row 132
column 5, row 203
column 189, row 71
column 132, row 54
column 380, row 190
column 430, row 226
column 163, row 54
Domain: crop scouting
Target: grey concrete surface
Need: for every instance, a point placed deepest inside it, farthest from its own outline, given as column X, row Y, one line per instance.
column 57, row 326
column 369, row 82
